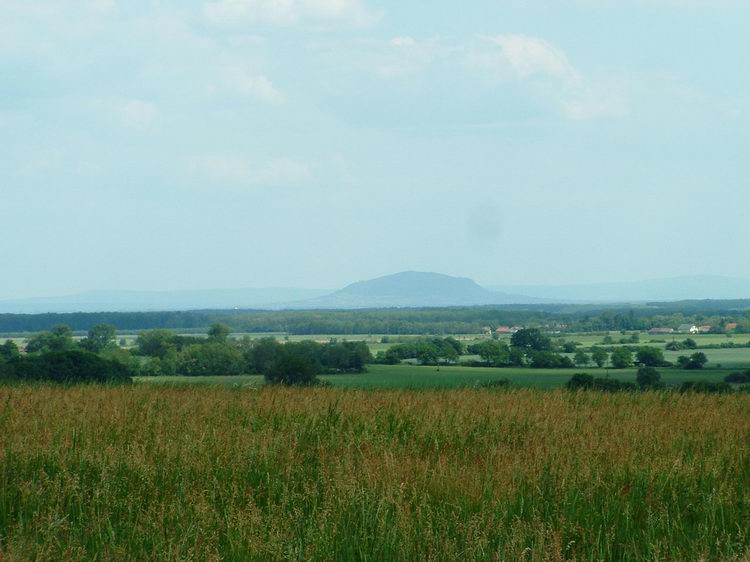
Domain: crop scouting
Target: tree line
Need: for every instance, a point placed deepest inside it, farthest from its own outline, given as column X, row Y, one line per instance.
column 438, row 321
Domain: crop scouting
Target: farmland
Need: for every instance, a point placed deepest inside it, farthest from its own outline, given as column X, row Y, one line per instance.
column 158, row 472
column 408, row 376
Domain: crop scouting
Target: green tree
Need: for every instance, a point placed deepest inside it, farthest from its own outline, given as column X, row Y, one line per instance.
column 599, row 356
column 648, row 378
column 650, row 356
column 99, row 338
column 622, row 358
column 155, row 343
column 494, row 352
column 531, row 339
column 9, row 351
column 580, row 381
column 581, row 358
column 212, row 358
column 695, row 361
column 292, row 367
column 219, row 332
column 60, row 338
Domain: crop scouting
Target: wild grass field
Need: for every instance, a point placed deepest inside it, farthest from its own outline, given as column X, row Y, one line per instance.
column 197, row 473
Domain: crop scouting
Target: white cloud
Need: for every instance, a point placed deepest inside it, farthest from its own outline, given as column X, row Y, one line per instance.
column 550, row 73
column 230, row 170
column 103, row 6
column 405, row 56
column 255, row 85
column 136, row 114
column 529, row 56
column 289, row 12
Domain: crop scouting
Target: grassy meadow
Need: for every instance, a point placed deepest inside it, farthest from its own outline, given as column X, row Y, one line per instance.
column 210, row 473
column 408, row 376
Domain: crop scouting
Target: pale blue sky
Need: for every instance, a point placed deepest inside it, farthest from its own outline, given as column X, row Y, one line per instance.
column 247, row 143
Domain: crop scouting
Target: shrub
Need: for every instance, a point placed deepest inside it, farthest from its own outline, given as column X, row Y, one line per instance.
column 648, row 378
column 580, row 381
column 706, row 387
column 738, row 378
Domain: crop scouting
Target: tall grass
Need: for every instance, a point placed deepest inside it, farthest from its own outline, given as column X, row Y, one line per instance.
column 323, row 474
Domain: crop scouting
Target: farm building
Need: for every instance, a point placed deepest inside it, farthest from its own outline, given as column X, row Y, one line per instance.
column 731, row 326
column 660, row 331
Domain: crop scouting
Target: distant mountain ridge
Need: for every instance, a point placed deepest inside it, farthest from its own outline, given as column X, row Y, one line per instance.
column 411, row 289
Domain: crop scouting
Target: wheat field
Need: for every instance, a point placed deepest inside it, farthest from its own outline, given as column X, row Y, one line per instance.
column 199, row 473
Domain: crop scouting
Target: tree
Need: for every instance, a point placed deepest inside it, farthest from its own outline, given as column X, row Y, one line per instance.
column 650, row 356
column 622, row 358
column 71, row 366
column 569, row 347
column 219, row 332
column 648, row 378
column 581, row 358
column 262, row 354
column 8, row 351
column 599, row 356
column 292, row 367
column 427, row 354
column 494, row 352
column 531, row 339
column 695, row 361
column 211, row 358
column 99, row 338
column 60, row 338
column 580, row 381
column 155, row 343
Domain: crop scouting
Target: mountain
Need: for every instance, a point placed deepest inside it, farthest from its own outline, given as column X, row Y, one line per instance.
column 144, row 301
column 414, row 289
column 695, row 287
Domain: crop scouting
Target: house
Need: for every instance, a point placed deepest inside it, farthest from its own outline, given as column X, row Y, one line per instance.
column 688, row 329
column 705, row 329
column 731, row 326
column 504, row 330
column 660, row 331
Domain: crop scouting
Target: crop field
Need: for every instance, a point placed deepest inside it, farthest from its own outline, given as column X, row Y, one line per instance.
column 200, row 473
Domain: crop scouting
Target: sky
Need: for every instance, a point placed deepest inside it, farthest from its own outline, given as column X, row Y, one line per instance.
column 185, row 144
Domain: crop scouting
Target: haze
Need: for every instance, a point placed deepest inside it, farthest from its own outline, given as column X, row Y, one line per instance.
column 311, row 143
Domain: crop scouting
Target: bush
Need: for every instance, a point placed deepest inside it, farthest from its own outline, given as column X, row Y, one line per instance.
column 613, row 385
column 583, row 381
column 738, row 378
column 648, row 378
column 72, row 366
column 580, row 381
column 499, row 384
column 706, row 387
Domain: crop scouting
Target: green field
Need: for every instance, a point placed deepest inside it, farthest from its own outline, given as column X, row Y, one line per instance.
column 415, row 377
